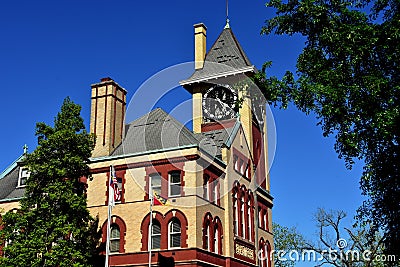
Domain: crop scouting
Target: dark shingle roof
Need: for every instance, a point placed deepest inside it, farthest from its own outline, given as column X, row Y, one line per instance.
column 154, row 131
column 157, row 130
column 8, row 185
column 225, row 57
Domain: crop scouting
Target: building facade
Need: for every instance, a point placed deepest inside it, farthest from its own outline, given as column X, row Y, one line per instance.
column 214, row 177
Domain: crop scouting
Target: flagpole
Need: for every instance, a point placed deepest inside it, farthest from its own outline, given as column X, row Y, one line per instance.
column 150, row 225
column 108, row 222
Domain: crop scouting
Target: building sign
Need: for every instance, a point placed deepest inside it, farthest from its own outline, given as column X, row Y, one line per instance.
column 244, row 251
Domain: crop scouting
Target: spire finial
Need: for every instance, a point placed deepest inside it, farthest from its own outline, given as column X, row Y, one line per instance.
column 25, row 147
column 227, row 15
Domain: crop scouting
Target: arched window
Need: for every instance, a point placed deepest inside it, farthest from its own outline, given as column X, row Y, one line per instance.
column 156, row 235
column 114, row 238
column 243, row 214
column 216, row 239
column 267, row 254
column 235, row 214
column 207, row 236
column 261, row 254
column 249, row 220
column 174, row 233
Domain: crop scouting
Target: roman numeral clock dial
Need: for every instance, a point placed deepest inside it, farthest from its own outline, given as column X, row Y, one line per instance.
column 219, row 103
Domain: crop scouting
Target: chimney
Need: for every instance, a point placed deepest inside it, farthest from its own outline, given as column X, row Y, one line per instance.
column 107, row 116
column 200, row 37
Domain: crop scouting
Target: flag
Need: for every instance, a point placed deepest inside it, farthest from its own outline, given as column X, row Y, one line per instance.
column 159, row 200
column 115, row 193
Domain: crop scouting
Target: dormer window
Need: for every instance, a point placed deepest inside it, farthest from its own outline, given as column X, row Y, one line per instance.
column 23, row 177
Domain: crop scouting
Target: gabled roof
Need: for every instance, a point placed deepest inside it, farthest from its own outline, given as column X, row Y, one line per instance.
column 226, row 57
column 9, row 182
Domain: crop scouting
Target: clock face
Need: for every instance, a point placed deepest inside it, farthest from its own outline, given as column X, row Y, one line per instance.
column 219, row 103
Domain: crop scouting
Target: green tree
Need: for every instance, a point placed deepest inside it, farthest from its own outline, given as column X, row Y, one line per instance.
column 53, row 226
column 286, row 239
column 335, row 245
column 342, row 246
column 348, row 74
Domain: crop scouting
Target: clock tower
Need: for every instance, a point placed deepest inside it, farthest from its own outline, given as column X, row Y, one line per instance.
column 222, row 93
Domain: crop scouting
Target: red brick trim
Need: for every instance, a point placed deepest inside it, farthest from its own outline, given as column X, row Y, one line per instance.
column 164, row 221
column 122, row 231
column 163, row 171
column 242, row 195
column 146, row 163
column 144, row 228
column 265, row 247
column 208, row 223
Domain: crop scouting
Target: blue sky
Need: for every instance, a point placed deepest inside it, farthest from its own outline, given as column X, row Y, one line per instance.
column 53, row 49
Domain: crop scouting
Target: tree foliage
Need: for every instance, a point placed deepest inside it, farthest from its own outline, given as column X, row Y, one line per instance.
column 347, row 246
column 53, row 226
column 348, row 74
column 335, row 245
column 286, row 239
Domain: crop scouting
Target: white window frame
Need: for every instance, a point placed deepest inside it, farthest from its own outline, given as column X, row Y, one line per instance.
column 249, row 220
column 171, row 233
column 170, row 184
column 265, row 219
column 152, row 235
column 23, row 170
column 151, row 176
column 243, row 218
column 116, row 238
column 216, row 191
column 216, row 239
column 208, row 236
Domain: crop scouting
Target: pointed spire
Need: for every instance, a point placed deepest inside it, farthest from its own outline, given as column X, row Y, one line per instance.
column 227, row 15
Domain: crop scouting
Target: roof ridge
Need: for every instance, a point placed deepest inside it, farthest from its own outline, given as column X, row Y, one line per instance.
column 241, row 51
column 10, row 167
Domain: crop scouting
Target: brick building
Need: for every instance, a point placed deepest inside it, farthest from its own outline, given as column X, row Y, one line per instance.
column 214, row 177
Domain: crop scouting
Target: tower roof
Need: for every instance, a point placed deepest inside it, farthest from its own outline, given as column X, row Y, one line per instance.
column 226, row 57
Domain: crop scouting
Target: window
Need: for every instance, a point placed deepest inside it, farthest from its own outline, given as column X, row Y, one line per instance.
column 259, row 217
column 23, row 177
column 235, row 215
column 155, row 183
column 213, row 192
column 114, row 238
column 235, row 162
column 119, row 185
column 216, row 192
column 174, row 233
column 207, row 237
column 206, row 180
column 265, row 220
column 267, row 254
column 242, row 211
column 216, row 239
column 249, row 219
column 156, row 235
column 175, row 183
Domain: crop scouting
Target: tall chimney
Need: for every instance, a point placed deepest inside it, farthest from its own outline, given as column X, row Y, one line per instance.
column 107, row 116
column 200, row 37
